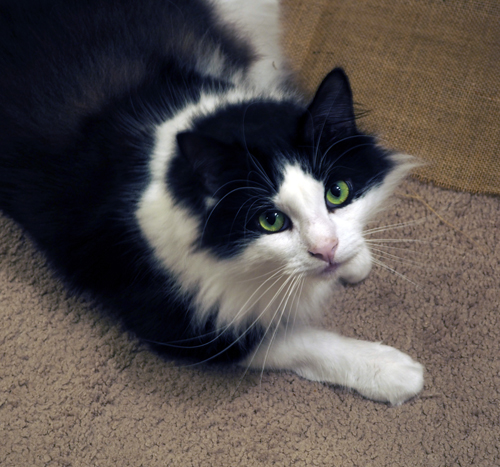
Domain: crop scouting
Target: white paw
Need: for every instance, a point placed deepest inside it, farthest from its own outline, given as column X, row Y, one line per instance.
column 389, row 376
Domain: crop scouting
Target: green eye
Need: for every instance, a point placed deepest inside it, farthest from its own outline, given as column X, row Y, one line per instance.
column 337, row 194
column 273, row 221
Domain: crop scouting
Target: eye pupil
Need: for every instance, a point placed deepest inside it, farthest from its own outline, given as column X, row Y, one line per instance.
column 336, row 191
column 271, row 217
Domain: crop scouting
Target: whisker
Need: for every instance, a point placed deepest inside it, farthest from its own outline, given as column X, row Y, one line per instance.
column 298, row 300
column 332, row 165
column 386, row 244
column 298, row 293
column 257, row 164
column 248, row 214
column 397, row 240
column 339, row 142
column 377, row 262
column 216, row 206
column 253, row 278
column 281, row 306
column 387, row 255
column 249, row 328
column 402, row 243
column 271, row 324
column 255, row 200
column 399, row 225
column 221, row 331
column 259, row 186
column 265, row 332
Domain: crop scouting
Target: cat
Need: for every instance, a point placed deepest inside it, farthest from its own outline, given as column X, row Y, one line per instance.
column 161, row 155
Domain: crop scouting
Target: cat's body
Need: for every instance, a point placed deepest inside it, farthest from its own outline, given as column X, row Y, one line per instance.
column 157, row 153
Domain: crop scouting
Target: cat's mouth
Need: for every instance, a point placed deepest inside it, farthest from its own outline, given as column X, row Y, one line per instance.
column 331, row 268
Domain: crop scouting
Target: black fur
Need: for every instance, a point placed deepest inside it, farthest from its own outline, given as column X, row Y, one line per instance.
column 83, row 84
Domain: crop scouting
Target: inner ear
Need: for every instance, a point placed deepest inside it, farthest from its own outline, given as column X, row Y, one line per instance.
column 213, row 161
column 331, row 111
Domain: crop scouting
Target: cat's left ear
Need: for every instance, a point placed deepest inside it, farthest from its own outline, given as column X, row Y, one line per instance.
column 331, row 111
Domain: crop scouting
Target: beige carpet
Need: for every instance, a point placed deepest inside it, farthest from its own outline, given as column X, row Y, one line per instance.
column 75, row 391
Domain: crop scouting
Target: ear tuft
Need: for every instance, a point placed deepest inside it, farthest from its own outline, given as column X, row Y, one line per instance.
column 331, row 110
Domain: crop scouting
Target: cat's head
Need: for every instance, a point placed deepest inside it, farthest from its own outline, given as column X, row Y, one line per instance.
column 281, row 185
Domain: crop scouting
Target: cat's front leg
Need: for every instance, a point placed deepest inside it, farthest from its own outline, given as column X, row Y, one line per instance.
column 376, row 371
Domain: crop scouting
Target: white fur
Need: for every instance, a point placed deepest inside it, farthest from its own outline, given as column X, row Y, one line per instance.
column 376, row 371
column 258, row 21
column 276, row 281
column 247, row 288
column 173, row 233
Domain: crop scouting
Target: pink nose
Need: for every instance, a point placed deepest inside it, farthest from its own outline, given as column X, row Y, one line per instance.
column 325, row 251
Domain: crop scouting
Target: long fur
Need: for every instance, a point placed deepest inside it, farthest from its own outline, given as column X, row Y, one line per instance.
column 140, row 144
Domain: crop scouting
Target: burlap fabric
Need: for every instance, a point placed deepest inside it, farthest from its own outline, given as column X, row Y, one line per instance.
column 427, row 71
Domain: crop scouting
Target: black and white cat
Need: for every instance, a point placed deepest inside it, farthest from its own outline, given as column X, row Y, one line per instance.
column 159, row 155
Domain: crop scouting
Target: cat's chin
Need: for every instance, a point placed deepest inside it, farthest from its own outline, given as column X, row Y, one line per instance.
column 356, row 269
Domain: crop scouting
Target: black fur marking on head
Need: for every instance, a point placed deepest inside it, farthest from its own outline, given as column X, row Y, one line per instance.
column 230, row 165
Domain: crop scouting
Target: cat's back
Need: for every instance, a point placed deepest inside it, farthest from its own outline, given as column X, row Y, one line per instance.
column 78, row 76
column 63, row 60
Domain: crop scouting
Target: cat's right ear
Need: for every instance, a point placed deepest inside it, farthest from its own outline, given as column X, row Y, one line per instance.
column 208, row 158
column 331, row 111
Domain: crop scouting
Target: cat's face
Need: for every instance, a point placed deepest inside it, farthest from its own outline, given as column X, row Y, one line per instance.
column 283, row 189
column 314, row 229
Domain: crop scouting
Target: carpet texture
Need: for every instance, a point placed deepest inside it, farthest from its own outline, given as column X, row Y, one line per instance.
column 427, row 72
column 75, row 391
